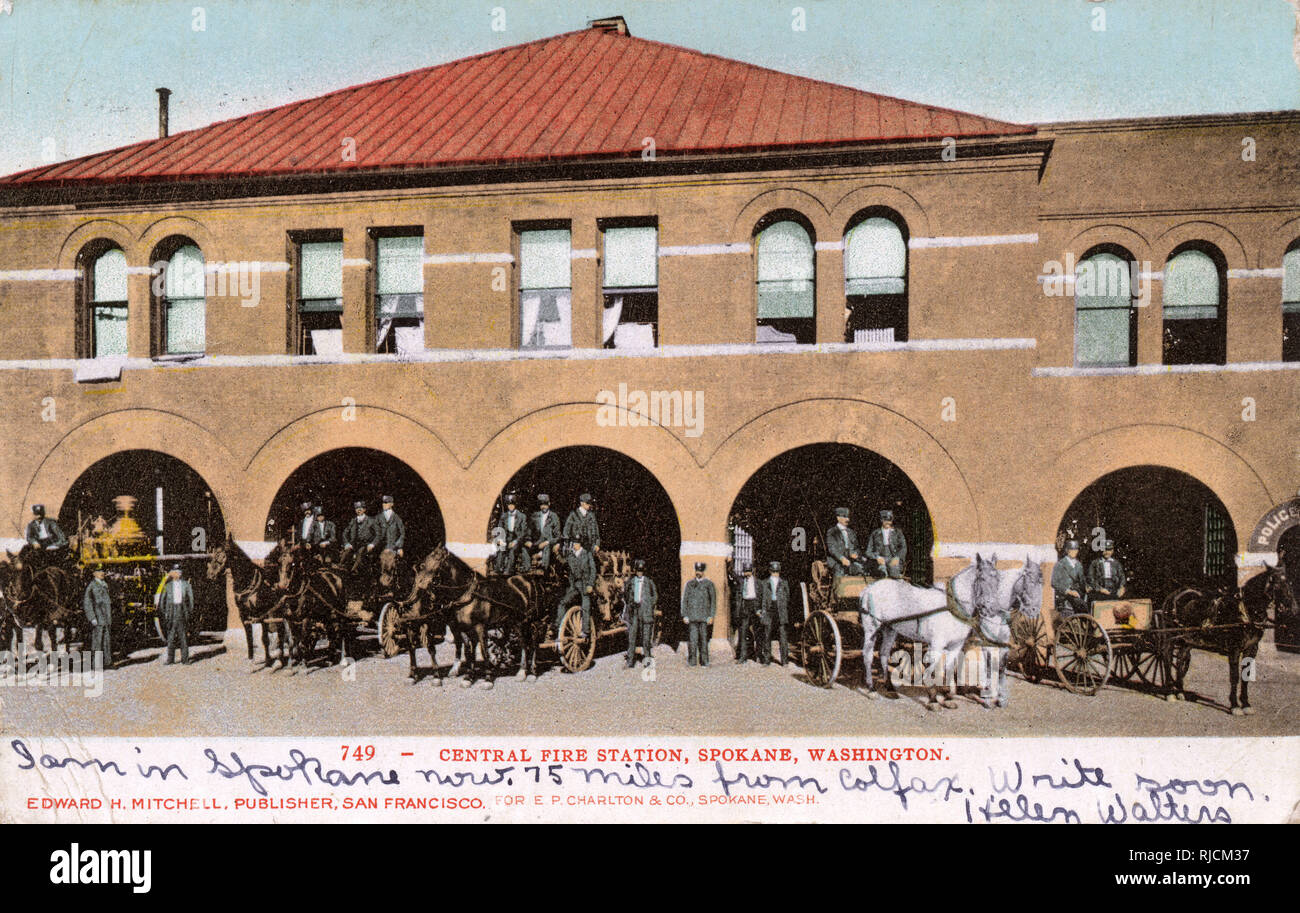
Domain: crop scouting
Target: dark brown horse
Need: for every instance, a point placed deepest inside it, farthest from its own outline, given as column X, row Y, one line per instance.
column 1220, row 621
column 39, row 595
column 315, row 602
column 473, row 604
column 256, row 597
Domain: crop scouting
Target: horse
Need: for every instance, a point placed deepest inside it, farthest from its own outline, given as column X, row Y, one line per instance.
column 43, row 596
column 978, row 599
column 255, row 597
column 473, row 604
column 1229, row 623
column 315, row 600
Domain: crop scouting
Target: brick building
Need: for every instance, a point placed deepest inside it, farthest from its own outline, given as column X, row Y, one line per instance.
column 475, row 277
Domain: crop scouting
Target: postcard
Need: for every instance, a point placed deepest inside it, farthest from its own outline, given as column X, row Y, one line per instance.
column 699, row 412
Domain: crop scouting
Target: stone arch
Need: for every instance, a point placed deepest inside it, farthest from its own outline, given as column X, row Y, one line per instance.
column 1281, row 239
column 136, row 429
column 316, row 433
column 1228, row 244
column 1112, row 234
column 953, row 506
column 96, row 229
column 1221, row 469
column 801, row 201
column 909, row 209
column 658, row 450
column 183, row 226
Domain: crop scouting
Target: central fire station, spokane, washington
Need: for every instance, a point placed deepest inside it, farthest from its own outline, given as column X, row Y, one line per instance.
column 478, row 277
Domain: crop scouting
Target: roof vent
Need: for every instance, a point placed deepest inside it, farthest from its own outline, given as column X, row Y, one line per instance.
column 162, row 112
column 615, row 25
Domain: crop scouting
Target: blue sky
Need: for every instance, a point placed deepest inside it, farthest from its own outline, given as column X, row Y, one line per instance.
column 77, row 76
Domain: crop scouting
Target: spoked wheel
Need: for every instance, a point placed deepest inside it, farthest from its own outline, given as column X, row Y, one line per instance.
column 1125, row 663
column 822, row 649
column 1162, row 660
column 575, row 653
column 391, row 640
column 1029, row 645
column 1082, row 655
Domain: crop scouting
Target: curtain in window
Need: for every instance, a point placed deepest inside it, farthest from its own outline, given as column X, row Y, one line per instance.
column 875, row 259
column 609, row 321
column 1102, row 300
column 785, row 272
column 320, row 268
column 108, row 305
column 545, row 259
column 1291, row 281
column 183, row 295
column 632, row 257
column 1191, row 287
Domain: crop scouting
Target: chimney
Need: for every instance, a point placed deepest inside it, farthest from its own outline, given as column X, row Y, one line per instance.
column 615, row 25
column 162, row 111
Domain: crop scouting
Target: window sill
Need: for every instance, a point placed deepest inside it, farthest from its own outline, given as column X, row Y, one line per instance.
column 1148, row 370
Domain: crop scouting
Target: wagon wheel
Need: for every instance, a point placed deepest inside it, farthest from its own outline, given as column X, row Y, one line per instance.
column 157, row 626
column 1082, row 654
column 1161, row 660
column 391, row 640
column 1125, row 663
column 821, row 649
column 575, row 654
column 1029, row 645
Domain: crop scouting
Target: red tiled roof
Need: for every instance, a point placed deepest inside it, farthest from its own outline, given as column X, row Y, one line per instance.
column 590, row 93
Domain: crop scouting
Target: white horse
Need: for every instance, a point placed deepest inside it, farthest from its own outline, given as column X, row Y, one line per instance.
column 982, row 599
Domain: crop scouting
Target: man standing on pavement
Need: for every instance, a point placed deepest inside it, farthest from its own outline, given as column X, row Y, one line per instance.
column 640, row 596
column 582, row 579
column 887, row 548
column 99, row 612
column 175, row 604
column 699, row 603
column 1067, row 582
column 746, row 613
column 773, row 612
column 546, row 532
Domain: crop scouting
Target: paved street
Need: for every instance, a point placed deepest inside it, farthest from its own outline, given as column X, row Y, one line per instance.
column 217, row 695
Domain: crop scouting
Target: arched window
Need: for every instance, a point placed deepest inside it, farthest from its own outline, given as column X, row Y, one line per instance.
column 875, row 282
column 102, row 331
column 786, row 299
column 180, row 319
column 1195, row 328
column 1105, row 318
column 1291, row 304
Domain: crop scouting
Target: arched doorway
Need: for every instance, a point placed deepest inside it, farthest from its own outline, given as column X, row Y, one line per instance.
column 172, row 501
column 784, row 509
column 1169, row 529
column 633, row 509
column 338, row 478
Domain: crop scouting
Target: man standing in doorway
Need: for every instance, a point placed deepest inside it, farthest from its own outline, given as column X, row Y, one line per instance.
column 175, row 603
column 699, row 603
column 746, row 613
column 773, row 611
column 640, row 596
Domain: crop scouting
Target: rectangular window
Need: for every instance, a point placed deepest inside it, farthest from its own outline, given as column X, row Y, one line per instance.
column 320, row 297
column 399, row 294
column 631, row 287
column 545, row 289
column 1216, row 542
